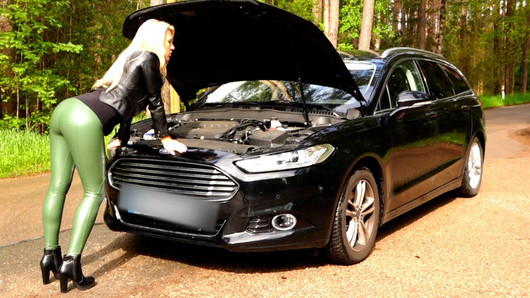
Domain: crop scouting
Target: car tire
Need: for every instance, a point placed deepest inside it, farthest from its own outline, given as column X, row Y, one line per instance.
column 356, row 220
column 473, row 170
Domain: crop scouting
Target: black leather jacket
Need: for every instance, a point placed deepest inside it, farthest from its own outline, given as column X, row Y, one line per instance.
column 140, row 86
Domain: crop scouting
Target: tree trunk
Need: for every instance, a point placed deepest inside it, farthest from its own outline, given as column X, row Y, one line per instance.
column 334, row 18
column 432, row 23
column 6, row 107
column 366, row 25
column 524, row 68
column 508, row 47
column 497, row 85
column 331, row 20
column 317, row 11
column 377, row 38
column 422, row 33
column 325, row 16
column 439, row 36
column 396, row 21
column 464, row 55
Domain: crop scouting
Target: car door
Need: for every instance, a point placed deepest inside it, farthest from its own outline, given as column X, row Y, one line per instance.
column 411, row 160
column 452, row 101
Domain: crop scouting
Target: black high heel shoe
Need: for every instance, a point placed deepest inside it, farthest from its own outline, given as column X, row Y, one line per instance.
column 51, row 261
column 71, row 270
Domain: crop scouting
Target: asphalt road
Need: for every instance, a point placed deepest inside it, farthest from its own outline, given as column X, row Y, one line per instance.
column 449, row 247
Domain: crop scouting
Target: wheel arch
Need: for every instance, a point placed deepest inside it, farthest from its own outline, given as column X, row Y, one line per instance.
column 335, row 249
column 481, row 135
column 373, row 163
column 482, row 138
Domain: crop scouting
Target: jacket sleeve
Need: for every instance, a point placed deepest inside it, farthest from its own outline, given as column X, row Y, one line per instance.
column 124, row 132
column 153, row 83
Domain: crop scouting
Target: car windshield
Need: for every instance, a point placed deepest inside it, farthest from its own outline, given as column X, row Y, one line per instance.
column 267, row 91
column 364, row 74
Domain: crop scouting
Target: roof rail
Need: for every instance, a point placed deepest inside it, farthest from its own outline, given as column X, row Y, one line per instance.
column 353, row 54
column 397, row 50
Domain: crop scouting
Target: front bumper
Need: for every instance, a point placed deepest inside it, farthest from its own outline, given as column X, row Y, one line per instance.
column 243, row 220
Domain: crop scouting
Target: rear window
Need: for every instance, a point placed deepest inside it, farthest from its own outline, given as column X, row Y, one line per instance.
column 439, row 84
column 459, row 83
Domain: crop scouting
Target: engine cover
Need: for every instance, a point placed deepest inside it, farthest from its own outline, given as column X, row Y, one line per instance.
column 212, row 130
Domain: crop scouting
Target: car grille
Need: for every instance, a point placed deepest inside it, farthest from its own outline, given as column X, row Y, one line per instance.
column 186, row 179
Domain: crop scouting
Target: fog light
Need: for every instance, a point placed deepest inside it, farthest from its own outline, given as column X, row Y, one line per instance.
column 284, row 222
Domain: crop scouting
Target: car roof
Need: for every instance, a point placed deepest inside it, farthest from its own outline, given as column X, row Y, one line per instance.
column 219, row 41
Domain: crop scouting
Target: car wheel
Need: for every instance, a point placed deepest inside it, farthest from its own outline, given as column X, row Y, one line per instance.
column 473, row 171
column 356, row 220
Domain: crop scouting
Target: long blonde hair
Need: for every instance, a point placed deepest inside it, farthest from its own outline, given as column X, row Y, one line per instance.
column 149, row 37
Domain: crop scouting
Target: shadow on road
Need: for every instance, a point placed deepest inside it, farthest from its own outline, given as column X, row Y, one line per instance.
column 262, row 262
column 415, row 214
column 220, row 259
column 122, row 242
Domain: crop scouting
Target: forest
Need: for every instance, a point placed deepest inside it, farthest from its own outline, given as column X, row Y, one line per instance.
column 51, row 50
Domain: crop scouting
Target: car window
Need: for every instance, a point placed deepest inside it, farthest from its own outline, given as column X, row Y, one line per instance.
column 404, row 77
column 459, row 83
column 439, row 84
column 276, row 91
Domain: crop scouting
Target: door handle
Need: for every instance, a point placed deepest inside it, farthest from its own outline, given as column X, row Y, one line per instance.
column 431, row 114
column 465, row 108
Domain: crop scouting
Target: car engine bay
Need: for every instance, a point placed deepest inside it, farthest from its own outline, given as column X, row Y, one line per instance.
column 256, row 130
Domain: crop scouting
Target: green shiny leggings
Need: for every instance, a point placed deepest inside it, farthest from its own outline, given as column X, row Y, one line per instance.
column 76, row 140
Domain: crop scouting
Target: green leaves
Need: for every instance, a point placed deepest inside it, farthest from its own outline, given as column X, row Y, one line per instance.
column 25, row 51
column 351, row 17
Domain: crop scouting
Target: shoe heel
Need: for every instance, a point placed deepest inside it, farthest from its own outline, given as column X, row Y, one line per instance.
column 50, row 262
column 71, row 270
column 64, row 284
column 45, row 276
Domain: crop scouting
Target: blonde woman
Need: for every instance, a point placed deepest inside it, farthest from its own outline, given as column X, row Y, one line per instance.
column 77, row 128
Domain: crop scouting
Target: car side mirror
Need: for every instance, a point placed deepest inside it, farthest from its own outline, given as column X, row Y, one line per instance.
column 411, row 98
column 410, row 101
column 350, row 111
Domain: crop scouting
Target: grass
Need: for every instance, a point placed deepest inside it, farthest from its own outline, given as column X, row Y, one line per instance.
column 495, row 101
column 25, row 152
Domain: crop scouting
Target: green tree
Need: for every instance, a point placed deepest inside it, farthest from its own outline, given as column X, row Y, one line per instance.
column 302, row 8
column 351, row 19
column 25, row 77
column 96, row 25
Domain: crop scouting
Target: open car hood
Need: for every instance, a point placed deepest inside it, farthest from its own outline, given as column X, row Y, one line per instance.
column 220, row 41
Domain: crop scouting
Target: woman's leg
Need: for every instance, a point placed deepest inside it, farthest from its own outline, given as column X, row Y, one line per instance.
column 85, row 139
column 62, row 168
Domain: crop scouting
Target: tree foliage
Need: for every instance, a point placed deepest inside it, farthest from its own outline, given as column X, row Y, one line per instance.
column 54, row 50
column 25, row 77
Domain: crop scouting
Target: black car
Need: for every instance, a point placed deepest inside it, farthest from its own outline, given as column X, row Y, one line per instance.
column 292, row 145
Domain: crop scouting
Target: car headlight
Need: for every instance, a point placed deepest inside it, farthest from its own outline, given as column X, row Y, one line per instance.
column 287, row 160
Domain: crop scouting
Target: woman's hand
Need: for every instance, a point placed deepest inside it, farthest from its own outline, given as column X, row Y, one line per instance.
column 172, row 145
column 114, row 144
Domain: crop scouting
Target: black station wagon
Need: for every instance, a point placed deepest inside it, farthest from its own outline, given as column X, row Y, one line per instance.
column 292, row 145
